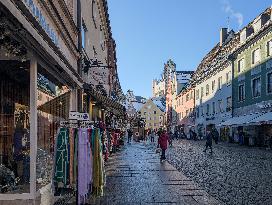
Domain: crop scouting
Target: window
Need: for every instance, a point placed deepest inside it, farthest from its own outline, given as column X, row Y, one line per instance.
column 207, row 89
column 197, row 94
column 187, row 113
column 155, row 112
column 208, row 109
column 229, row 102
column 269, row 83
column 187, row 97
column 256, row 56
column 220, row 106
column 241, row 92
column 228, row 78
column 94, row 13
column 256, row 87
column 144, row 113
column 202, row 92
column 241, row 64
column 192, row 95
column 154, row 118
column 182, row 100
column 213, row 85
column 213, row 107
column 155, row 124
column 219, row 83
column 83, row 34
column 269, row 48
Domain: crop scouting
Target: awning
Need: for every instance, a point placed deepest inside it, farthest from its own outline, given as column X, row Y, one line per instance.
column 105, row 101
column 265, row 118
column 240, row 120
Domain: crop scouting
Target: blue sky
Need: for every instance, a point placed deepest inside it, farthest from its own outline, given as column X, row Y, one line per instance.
column 149, row 32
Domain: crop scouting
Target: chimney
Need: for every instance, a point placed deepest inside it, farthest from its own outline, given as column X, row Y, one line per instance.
column 223, row 35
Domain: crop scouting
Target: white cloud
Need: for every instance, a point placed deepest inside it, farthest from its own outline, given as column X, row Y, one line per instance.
column 227, row 8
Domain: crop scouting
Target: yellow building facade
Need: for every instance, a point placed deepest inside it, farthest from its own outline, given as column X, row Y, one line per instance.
column 153, row 115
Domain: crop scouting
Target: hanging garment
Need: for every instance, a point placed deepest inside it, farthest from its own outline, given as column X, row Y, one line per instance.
column 84, row 165
column 72, row 154
column 98, row 171
column 61, row 162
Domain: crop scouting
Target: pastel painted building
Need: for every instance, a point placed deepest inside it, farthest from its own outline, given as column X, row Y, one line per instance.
column 252, row 82
column 185, row 109
column 212, row 80
column 153, row 112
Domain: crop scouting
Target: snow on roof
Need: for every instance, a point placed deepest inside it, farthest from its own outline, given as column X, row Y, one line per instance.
column 137, row 105
column 160, row 103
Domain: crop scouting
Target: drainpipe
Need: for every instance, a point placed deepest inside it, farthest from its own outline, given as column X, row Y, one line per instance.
column 79, row 62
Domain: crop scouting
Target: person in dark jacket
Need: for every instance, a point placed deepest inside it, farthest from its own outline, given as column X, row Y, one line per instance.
column 209, row 138
column 130, row 134
column 162, row 143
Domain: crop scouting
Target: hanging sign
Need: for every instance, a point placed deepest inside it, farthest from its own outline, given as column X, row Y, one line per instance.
column 78, row 116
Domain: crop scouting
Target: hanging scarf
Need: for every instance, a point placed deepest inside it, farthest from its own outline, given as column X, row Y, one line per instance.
column 98, row 171
column 61, row 161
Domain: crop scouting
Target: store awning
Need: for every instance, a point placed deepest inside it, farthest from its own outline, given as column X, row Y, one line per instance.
column 265, row 118
column 240, row 120
column 105, row 101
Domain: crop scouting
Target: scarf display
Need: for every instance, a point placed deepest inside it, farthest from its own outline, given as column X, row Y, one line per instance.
column 79, row 162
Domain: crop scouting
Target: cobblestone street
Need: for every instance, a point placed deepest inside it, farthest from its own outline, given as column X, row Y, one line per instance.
column 136, row 176
column 233, row 174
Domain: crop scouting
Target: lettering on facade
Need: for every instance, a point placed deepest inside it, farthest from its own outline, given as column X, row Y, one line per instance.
column 37, row 13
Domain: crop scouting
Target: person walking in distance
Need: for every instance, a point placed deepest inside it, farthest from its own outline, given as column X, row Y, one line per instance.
column 209, row 138
column 130, row 134
column 152, row 136
column 162, row 143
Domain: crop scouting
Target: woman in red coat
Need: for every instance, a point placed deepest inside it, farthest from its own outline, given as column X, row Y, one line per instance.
column 162, row 142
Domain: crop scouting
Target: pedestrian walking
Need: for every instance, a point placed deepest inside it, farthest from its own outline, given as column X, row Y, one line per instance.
column 162, row 143
column 130, row 134
column 152, row 136
column 209, row 138
column 215, row 135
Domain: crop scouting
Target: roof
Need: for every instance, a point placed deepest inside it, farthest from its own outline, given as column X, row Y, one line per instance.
column 137, row 105
column 265, row 118
column 140, row 99
column 240, row 120
column 184, row 72
column 160, row 103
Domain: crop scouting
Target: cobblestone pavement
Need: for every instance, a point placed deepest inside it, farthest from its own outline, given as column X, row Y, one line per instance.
column 135, row 176
column 233, row 174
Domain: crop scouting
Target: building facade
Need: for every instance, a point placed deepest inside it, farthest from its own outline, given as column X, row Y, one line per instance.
column 213, row 89
column 49, row 52
column 153, row 114
column 252, row 80
column 185, row 109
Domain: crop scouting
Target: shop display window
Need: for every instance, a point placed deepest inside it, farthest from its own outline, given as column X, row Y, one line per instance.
column 52, row 108
column 14, row 127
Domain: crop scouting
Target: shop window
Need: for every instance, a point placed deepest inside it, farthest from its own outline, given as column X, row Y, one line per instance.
column 14, row 127
column 256, row 87
column 269, row 83
column 241, row 92
column 53, row 109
